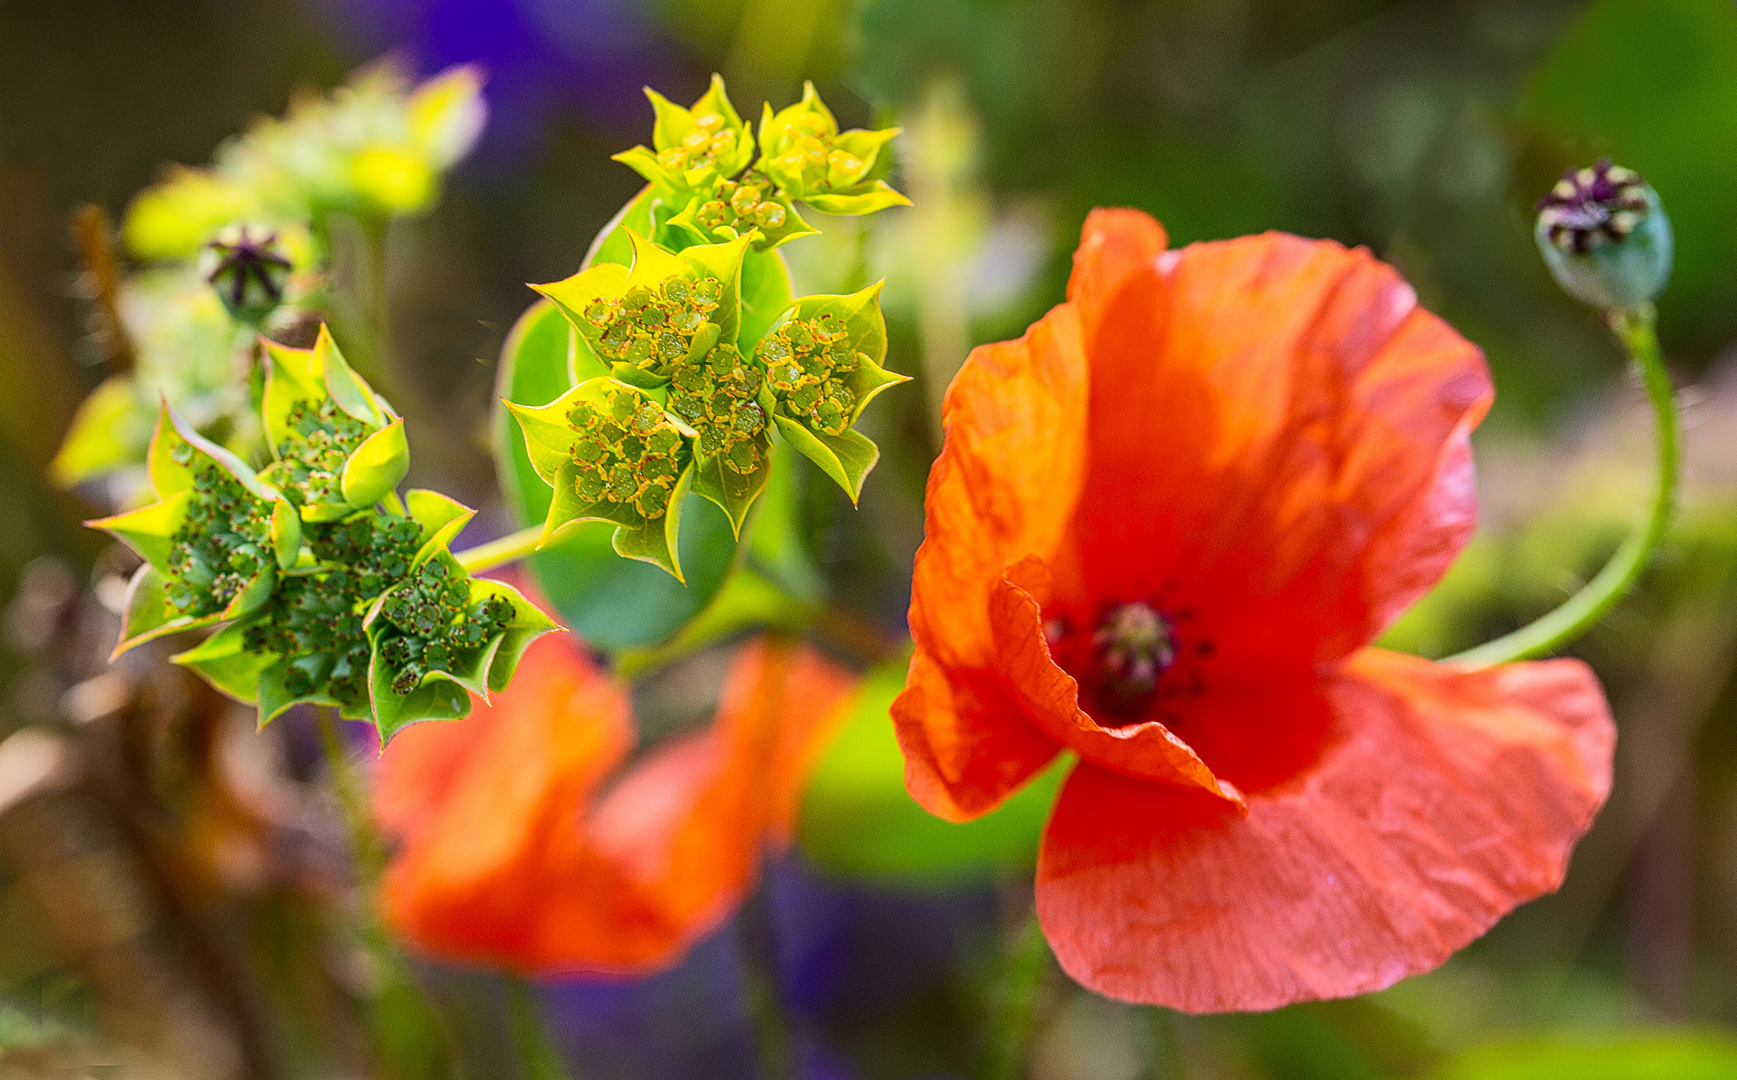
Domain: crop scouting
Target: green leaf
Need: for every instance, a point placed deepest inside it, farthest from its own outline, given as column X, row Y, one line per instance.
column 274, row 696
column 766, row 294
column 867, row 198
column 376, row 467
column 348, row 389
column 776, row 547
column 286, row 533
column 527, row 625
column 109, row 431
column 612, row 243
column 224, row 661
column 846, row 458
column 694, row 168
column 858, row 821
column 147, row 530
column 168, row 476
column 291, row 376
column 437, row 698
column 734, row 492
column 1661, row 1055
column 441, row 518
column 253, row 595
column 148, row 614
column 610, row 601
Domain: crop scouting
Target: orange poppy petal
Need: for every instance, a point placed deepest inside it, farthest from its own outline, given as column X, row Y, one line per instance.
column 1114, row 243
column 1050, row 697
column 468, row 877
column 1004, row 484
column 671, row 850
column 1277, row 440
column 1443, row 799
column 966, row 745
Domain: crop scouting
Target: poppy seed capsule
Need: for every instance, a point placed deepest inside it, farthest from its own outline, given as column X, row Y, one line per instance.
column 1604, row 235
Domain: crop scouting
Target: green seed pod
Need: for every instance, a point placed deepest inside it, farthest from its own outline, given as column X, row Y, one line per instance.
column 1604, row 235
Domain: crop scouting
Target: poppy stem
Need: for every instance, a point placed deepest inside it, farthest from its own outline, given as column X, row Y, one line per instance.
column 509, row 548
column 1014, row 1015
column 1636, row 330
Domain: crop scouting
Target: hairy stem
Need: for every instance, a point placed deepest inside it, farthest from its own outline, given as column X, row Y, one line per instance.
column 1013, row 1018
column 509, row 548
column 1637, row 331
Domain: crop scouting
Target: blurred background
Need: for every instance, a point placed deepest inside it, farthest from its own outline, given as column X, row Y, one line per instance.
column 172, row 881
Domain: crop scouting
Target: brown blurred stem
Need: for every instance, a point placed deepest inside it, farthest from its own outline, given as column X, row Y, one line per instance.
column 94, row 234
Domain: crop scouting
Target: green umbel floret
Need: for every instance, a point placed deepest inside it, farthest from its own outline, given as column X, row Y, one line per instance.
column 224, row 543
column 321, row 439
column 806, row 362
column 316, row 618
column 628, row 453
column 432, row 622
column 653, row 329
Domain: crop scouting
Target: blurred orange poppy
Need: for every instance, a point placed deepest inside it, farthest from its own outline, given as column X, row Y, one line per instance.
column 1165, row 525
column 527, row 846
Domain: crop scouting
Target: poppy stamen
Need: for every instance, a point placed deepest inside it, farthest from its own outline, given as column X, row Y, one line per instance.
column 1134, row 646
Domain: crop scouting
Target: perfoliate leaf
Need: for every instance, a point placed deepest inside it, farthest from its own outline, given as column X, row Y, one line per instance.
column 286, row 533
column 846, row 458
column 439, row 626
column 107, row 432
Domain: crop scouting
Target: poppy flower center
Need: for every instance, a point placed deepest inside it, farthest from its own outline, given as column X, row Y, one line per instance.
column 1120, row 659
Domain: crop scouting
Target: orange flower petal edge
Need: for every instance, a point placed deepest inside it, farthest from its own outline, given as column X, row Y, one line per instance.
column 1162, row 529
column 621, row 882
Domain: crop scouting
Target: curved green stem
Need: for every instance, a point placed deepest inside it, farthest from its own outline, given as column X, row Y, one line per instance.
column 1636, row 330
column 509, row 548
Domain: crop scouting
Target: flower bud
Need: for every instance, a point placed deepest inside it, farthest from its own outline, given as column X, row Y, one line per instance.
column 1604, row 235
column 249, row 273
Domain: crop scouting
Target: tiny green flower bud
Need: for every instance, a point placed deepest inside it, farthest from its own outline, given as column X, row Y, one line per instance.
column 1605, row 237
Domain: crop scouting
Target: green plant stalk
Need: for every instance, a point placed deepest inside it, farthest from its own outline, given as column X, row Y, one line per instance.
column 1637, row 331
column 509, row 548
column 1013, row 1018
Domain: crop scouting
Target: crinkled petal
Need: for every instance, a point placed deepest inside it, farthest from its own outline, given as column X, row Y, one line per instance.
column 1441, row 799
column 1278, row 442
column 1005, row 483
column 1002, row 488
column 967, row 746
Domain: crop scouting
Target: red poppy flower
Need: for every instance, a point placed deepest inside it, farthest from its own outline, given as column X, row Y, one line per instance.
column 1165, row 525
column 525, row 845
